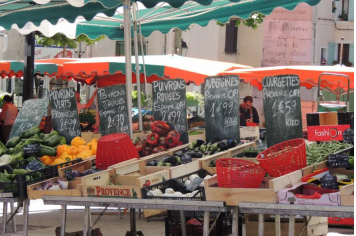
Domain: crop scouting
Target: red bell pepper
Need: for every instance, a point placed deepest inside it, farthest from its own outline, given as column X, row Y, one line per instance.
column 172, row 138
column 159, row 149
column 139, row 144
column 146, row 151
column 152, row 139
column 161, row 141
column 179, row 144
column 160, row 127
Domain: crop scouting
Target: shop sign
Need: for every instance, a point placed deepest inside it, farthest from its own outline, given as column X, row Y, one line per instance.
column 104, row 191
column 326, row 132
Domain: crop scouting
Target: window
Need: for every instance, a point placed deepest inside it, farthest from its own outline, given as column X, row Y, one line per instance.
column 120, row 48
column 345, row 54
column 231, row 37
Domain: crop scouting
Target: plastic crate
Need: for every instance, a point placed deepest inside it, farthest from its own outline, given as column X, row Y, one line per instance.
column 18, row 187
column 65, row 164
column 222, row 227
column 199, row 196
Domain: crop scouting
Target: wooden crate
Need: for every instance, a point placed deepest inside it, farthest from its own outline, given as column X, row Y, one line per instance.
column 266, row 193
column 81, row 167
column 310, row 169
column 72, row 191
column 184, row 169
column 317, row 226
column 346, row 195
column 128, row 180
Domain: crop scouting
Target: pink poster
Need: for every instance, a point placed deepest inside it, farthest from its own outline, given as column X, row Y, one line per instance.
column 288, row 37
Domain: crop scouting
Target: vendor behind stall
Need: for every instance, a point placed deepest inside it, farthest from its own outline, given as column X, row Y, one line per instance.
column 248, row 114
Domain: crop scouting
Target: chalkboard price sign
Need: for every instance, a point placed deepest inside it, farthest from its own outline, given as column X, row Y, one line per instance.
column 169, row 105
column 64, row 111
column 194, row 184
column 30, row 115
column 69, row 175
column 222, row 109
column 348, row 136
column 113, row 110
column 329, row 181
column 338, row 160
column 32, row 149
column 281, row 102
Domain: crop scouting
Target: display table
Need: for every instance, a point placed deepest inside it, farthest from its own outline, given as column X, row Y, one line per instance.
column 133, row 203
column 11, row 218
column 292, row 211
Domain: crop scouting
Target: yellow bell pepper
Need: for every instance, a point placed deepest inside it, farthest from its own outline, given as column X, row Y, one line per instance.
column 78, row 141
column 65, row 156
column 47, row 160
column 58, row 161
column 84, row 154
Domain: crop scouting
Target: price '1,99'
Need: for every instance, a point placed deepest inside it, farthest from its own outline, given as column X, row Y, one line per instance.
column 226, row 108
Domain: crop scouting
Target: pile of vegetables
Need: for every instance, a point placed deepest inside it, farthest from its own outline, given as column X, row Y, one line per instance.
column 196, row 149
column 161, row 139
column 59, row 184
column 169, row 192
column 14, row 149
column 32, row 165
column 192, row 177
column 90, row 171
column 78, row 149
column 318, row 152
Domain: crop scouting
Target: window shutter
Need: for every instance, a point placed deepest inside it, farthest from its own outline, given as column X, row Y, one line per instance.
column 231, row 37
column 351, row 54
column 331, row 53
column 351, row 10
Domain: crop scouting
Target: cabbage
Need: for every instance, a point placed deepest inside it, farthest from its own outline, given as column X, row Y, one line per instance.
column 47, row 184
column 5, row 159
column 63, row 183
column 54, row 187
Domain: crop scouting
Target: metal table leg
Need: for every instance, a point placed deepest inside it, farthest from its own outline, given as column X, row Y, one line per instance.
column 4, row 217
column 87, row 220
column 206, row 223
column 13, row 221
column 235, row 221
column 26, row 210
column 64, row 220
column 183, row 223
column 291, row 230
column 277, row 220
column 261, row 222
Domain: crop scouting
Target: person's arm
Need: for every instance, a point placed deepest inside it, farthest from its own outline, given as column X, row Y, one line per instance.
column 91, row 101
column 256, row 118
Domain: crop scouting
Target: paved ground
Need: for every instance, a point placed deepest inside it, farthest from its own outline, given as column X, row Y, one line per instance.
column 44, row 220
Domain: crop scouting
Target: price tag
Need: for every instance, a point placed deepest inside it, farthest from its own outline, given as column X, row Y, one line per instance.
column 338, row 160
column 186, row 159
column 69, row 175
column 329, row 181
column 348, row 136
column 32, row 149
column 194, row 184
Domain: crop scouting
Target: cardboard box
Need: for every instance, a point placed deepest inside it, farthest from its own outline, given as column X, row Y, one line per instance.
column 72, row 191
column 347, row 195
column 326, row 126
column 288, row 196
column 266, row 193
column 316, row 226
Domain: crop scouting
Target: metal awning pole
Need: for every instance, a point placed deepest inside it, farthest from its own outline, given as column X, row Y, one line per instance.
column 137, row 63
column 128, row 65
column 29, row 65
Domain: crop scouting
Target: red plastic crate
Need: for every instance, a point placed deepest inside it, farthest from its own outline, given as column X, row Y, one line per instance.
column 284, row 158
column 113, row 149
column 235, row 173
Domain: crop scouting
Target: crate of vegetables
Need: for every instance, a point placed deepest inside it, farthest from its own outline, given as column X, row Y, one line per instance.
column 75, row 172
column 53, row 187
column 267, row 192
column 27, row 172
column 121, row 181
column 161, row 138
